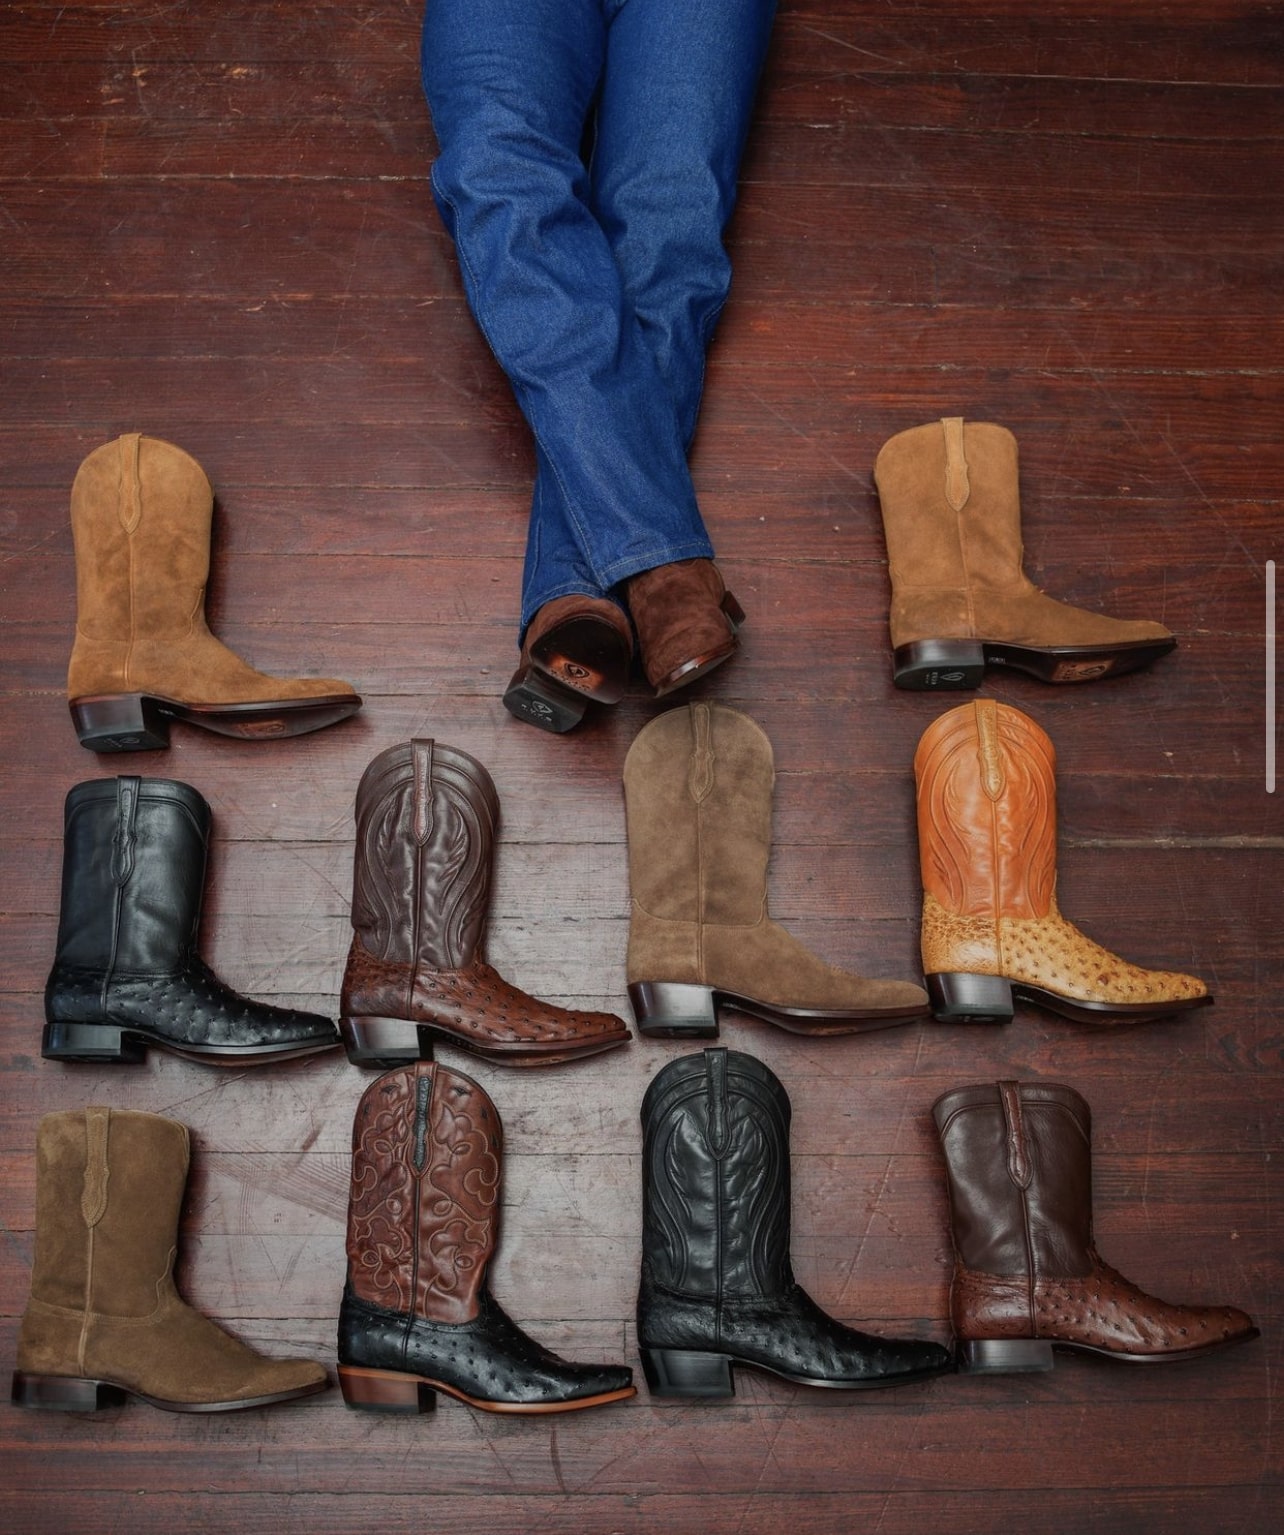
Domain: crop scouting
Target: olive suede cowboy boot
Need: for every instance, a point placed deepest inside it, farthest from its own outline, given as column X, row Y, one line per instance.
column 427, row 819
column 423, row 1220
column 718, row 1289
column 960, row 599
column 992, row 931
column 105, row 1321
column 697, row 789
column 1027, row 1276
column 141, row 512
column 127, row 974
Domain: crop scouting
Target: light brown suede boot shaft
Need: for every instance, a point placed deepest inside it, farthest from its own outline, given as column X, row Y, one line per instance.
column 141, row 514
column 698, row 787
column 987, row 836
column 105, row 1318
column 960, row 598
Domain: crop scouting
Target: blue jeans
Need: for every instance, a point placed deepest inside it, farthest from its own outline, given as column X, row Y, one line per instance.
column 596, row 278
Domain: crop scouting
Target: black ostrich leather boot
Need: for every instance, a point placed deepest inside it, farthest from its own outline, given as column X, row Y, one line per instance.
column 717, row 1285
column 127, row 974
column 423, row 1219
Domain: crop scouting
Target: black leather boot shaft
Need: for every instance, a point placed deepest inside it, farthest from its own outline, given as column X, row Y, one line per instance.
column 717, row 1284
column 126, row 974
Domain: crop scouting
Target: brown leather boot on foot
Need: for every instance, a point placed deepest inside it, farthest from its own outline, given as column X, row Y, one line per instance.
column 1027, row 1277
column 697, row 791
column 686, row 621
column 141, row 511
column 427, row 818
column 987, row 842
column 577, row 649
column 960, row 600
column 105, row 1321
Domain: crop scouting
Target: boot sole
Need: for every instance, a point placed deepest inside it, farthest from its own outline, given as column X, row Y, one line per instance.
column 131, row 722
column 69, row 1393
column 1025, row 1356
column 697, row 1373
column 390, row 1391
column 587, row 656
column 111, row 1045
column 958, row 665
column 679, row 1010
column 384, row 1043
column 962, row 997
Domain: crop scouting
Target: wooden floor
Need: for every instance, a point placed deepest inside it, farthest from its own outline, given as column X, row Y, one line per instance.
column 1065, row 217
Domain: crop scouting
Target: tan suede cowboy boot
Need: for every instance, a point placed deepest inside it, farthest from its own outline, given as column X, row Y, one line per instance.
column 960, row 599
column 427, row 818
column 987, row 839
column 104, row 1320
column 1027, row 1275
column 141, row 512
column 697, row 789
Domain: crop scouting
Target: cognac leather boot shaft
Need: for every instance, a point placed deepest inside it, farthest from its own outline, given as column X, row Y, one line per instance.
column 717, row 1284
column 104, row 1320
column 992, row 930
column 960, row 598
column 427, row 818
column 1027, row 1276
column 127, row 974
column 423, row 1219
column 698, row 787
column 141, row 513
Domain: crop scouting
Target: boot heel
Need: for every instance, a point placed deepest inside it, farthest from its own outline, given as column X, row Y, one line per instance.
column 939, row 665
column 92, row 1042
column 674, row 1011
column 684, row 1372
column 541, row 701
column 64, row 1393
column 1005, row 1356
column 735, row 614
column 963, row 998
column 384, row 1391
column 384, row 1042
column 123, row 722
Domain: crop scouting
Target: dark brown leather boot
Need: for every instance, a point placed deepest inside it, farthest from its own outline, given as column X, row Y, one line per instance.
column 427, row 816
column 577, row 650
column 423, row 1220
column 686, row 621
column 1027, row 1278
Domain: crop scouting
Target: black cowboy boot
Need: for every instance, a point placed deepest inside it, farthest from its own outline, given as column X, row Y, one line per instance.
column 127, row 974
column 717, row 1285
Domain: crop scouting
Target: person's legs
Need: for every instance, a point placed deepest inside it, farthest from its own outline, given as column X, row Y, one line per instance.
column 510, row 84
column 672, row 119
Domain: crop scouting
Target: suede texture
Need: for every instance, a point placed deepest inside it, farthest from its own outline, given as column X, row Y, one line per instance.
column 698, row 784
column 109, row 1191
column 952, row 518
column 677, row 610
column 141, row 512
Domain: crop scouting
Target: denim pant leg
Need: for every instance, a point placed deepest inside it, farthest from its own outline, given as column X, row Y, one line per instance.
column 673, row 116
column 510, row 84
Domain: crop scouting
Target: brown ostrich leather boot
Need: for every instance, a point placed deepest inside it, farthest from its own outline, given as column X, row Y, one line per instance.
column 1027, row 1278
column 427, row 816
column 960, row 599
column 423, row 1219
column 686, row 621
column 577, row 650
column 140, row 512
column 987, row 842
column 105, row 1321
column 697, row 789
